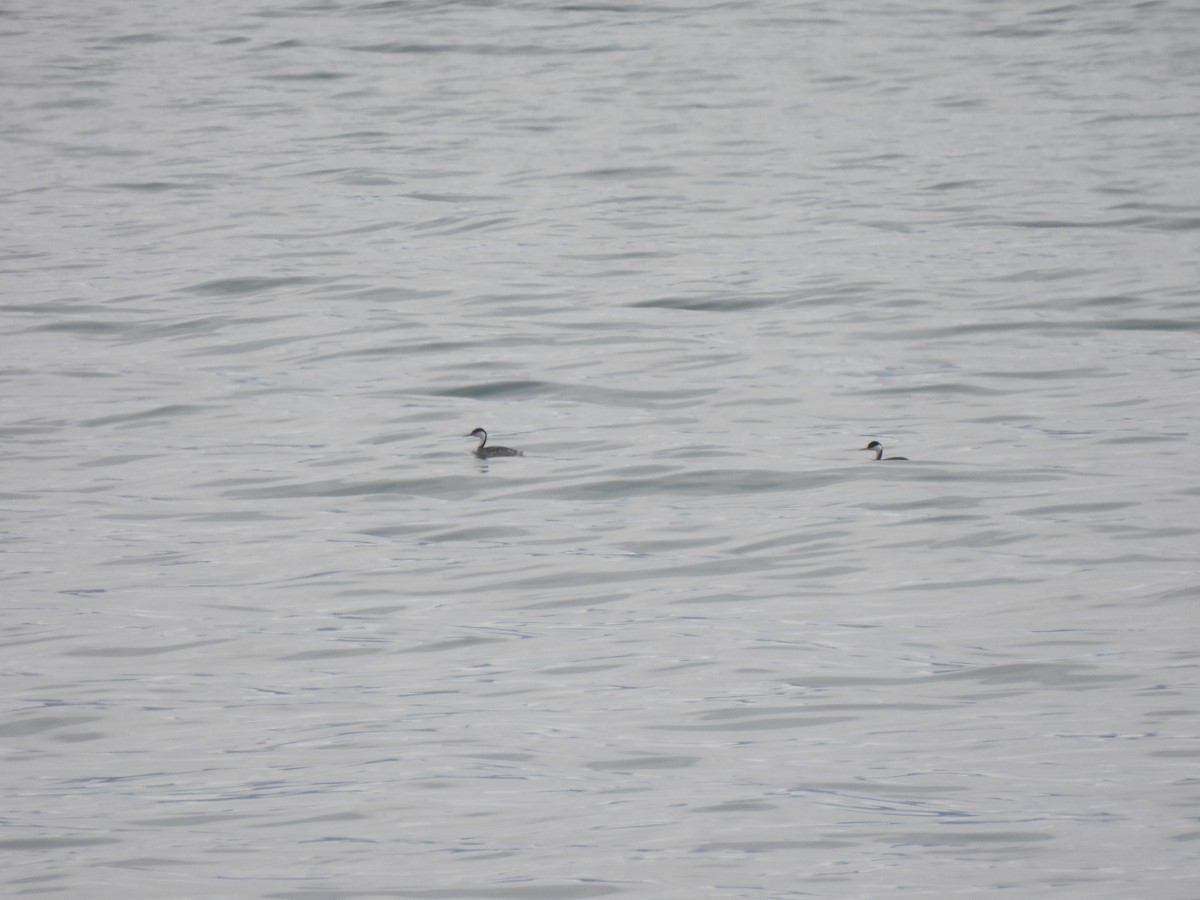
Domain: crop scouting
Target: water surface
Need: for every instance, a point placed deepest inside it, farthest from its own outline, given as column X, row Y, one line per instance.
column 271, row 630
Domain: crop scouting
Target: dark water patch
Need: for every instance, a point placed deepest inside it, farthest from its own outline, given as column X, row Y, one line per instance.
column 454, row 644
column 606, row 574
column 143, row 37
column 41, row 724
column 370, row 613
column 612, row 273
column 407, row 348
column 87, row 326
column 952, row 519
column 1149, row 325
column 699, row 483
column 234, row 482
column 581, row 669
column 622, row 256
column 204, row 325
column 234, row 515
column 959, row 585
column 372, row 228
column 771, row 723
column 28, row 429
column 1169, row 754
column 624, row 173
column 1127, row 531
column 107, row 461
column 641, row 763
column 624, row 201
column 930, row 839
column 581, row 602
column 1044, row 674
column 1005, row 420
column 456, row 487
column 89, row 373
column 143, row 560
column 593, row 333
column 151, row 187
column 1067, row 511
column 247, row 348
column 1039, row 275
column 390, row 294
column 949, row 501
column 978, row 539
column 885, row 162
column 482, row 533
column 26, row 845
column 1108, row 300
column 71, row 103
column 710, row 303
column 660, row 547
column 624, row 8
column 333, row 653
column 1128, row 562
column 523, row 305
column 233, row 287
column 392, row 531
column 696, row 453
column 124, row 652
column 447, row 226
column 1037, row 328
column 721, row 597
column 353, row 175
column 842, row 294
column 416, row 48
column 1182, row 223
column 448, row 197
column 1189, row 593
column 315, row 75
column 1170, row 209
column 652, row 471
column 158, row 412
column 1049, row 374
column 810, row 541
column 541, row 890
column 1154, row 223
column 580, row 393
column 1012, row 31
column 1147, row 439
column 756, row 848
column 970, row 185
column 357, row 178
column 494, row 389
column 971, row 390
column 811, row 574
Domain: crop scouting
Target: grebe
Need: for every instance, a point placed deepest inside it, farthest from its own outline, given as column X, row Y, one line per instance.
column 878, row 448
column 488, row 452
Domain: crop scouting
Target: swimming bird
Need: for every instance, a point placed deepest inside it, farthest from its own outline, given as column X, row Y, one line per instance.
column 877, row 447
column 484, row 452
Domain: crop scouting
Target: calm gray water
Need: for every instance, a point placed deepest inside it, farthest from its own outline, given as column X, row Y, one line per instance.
column 271, row 631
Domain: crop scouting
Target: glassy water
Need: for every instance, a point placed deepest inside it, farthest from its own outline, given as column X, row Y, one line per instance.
column 271, row 630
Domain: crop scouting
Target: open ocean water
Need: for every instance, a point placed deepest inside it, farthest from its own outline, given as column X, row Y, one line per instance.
column 271, row 631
